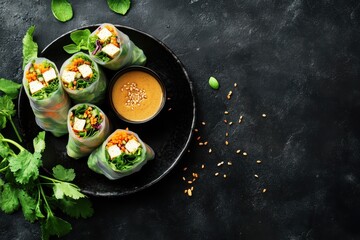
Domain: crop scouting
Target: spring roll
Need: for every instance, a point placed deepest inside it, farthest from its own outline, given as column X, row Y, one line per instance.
column 113, row 49
column 82, row 79
column 48, row 100
column 121, row 154
column 88, row 128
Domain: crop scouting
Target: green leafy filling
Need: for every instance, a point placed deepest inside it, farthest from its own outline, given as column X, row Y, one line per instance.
column 126, row 161
column 91, row 128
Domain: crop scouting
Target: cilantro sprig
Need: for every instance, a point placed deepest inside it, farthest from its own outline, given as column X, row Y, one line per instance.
column 22, row 186
column 7, row 107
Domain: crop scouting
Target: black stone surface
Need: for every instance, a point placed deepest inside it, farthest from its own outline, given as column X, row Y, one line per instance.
column 297, row 61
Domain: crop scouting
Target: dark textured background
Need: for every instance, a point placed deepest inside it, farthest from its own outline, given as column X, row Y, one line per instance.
column 297, row 61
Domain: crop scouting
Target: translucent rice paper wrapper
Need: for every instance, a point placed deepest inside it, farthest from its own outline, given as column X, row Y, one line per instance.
column 78, row 147
column 95, row 93
column 130, row 54
column 98, row 163
column 50, row 113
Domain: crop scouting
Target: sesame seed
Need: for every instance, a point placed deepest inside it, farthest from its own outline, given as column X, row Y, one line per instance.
column 226, row 134
column 203, row 123
column 220, row 163
column 240, row 119
column 264, row 190
column 189, row 182
column 225, row 176
column 263, row 115
column 230, row 123
column 192, row 188
column 189, row 192
column 225, row 121
column 257, row 176
column 196, row 130
column 185, row 191
column 183, row 178
column 198, row 138
column 235, row 84
column 258, row 161
column 205, row 143
column 188, row 151
column 216, row 174
column 229, row 95
column 168, row 98
column 244, row 153
column 201, row 143
column 210, row 150
column 238, row 151
column 229, row 163
column 202, row 166
column 169, row 109
column 226, row 143
column 185, row 168
column 226, row 112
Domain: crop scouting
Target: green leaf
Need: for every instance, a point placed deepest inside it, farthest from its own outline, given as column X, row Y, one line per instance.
column 62, row 189
column 119, row 6
column 63, row 174
column 9, row 87
column 8, row 199
column 55, row 226
column 38, row 211
column 62, row 10
column 30, row 48
column 25, row 166
column 77, row 208
column 80, row 37
column 28, row 205
column 71, row 48
column 39, row 142
column 7, row 110
column 5, row 150
column 214, row 84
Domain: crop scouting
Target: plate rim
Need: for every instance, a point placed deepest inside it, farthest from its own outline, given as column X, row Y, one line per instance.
column 187, row 143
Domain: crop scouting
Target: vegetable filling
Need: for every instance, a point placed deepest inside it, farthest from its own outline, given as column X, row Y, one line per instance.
column 79, row 74
column 105, row 43
column 42, row 79
column 85, row 121
column 123, row 151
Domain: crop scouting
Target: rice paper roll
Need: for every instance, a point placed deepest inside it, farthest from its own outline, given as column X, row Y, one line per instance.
column 122, row 153
column 88, row 128
column 48, row 100
column 83, row 80
column 113, row 49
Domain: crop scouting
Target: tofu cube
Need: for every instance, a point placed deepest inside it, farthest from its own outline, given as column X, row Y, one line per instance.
column 104, row 34
column 85, row 70
column 111, row 50
column 49, row 75
column 68, row 76
column 132, row 145
column 79, row 124
column 114, row 151
column 35, row 86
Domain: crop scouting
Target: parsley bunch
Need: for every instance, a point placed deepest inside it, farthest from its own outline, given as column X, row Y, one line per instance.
column 22, row 186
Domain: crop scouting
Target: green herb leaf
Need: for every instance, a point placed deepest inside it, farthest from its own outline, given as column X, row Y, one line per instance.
column 30, row 48
column 5, row 150
column 8, row 199
column 71, row 48
column 214, row 84
column 77, row 208
column 25, row 166
column 28, row 205
column 62, row 189
column 39, row 142
column 63, row 174
column 55, row 226
column 7, row 110
column 119, row 6
column 9, row 87
column 80, row 39
column 62, row 10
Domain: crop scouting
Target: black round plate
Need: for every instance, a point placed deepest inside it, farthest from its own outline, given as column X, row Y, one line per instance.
column 168, row 133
